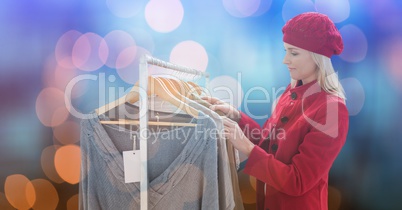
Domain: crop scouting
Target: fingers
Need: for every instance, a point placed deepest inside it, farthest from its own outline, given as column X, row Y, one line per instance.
column 231, row 130
column 222, row 107
column 219, row 105
column 228, row 130
column 227, row 122
column 212, row 100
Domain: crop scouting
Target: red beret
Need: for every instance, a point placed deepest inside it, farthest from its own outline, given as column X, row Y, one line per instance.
column 314, row 32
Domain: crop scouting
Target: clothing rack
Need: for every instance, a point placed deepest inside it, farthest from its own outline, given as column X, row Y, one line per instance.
column 143, row 104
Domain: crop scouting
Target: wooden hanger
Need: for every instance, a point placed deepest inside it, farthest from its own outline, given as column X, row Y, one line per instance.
column 191, row 93
column 155, row 86
column 175, row 88
column 181, row 88
column 196, row 87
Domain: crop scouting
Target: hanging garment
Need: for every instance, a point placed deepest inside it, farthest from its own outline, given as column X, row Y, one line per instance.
column 229, row 191
column 228, row 179
column 182, row 165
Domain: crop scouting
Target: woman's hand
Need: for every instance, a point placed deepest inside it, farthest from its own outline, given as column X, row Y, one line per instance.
column 235, row 135
column 218, row 105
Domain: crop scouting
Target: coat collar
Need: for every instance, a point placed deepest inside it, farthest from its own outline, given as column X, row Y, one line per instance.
column 305, row 90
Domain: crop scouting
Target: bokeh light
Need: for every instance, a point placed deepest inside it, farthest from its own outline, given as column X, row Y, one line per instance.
column 248, row 192
column 241, row 8
column 160, row 71
column 264, row 6
column 19, row 191
column 50, row 107
column 64, row 48
column 67, row 133
column 129, row 73
column 62, row 76
column 47, row 197
column 89, row 52
column 292, row 8
column 227, row 89
column 143, row 38
column 391, row 54
column 49, row 72
column 4, row 204
column 47, row 163
column 355, row 43
column 355, row 96
column 67, row 161
column 190, row 54
column 125, row 8
column 164, row 15
column 253, row 182
column 58, row 76
column 72, row 203
column 117, row 41
column 126, row 57
column 337, row 10
column 334, row 198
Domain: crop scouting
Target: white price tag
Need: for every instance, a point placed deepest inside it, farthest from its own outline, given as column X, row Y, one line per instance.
column 132, row 166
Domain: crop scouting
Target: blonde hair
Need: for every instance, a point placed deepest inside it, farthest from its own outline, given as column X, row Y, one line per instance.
column 326, row 76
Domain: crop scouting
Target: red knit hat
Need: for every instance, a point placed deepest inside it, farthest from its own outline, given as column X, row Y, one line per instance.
column 314, row 32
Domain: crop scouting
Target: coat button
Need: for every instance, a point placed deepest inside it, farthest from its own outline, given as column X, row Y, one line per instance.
column 274, row 147
column 284, row 119
column 293, row 96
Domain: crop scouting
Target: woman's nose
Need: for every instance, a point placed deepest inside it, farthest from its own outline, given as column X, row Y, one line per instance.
column 285, row 59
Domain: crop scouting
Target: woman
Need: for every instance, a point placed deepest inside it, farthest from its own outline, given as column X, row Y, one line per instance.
column 294, row 150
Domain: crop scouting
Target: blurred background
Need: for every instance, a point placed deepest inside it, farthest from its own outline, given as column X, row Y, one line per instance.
column 90, row 49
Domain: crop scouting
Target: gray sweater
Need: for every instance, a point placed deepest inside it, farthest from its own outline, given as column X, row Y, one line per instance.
column 182, row 167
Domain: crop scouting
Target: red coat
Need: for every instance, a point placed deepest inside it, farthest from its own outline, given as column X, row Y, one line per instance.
column 296, row 148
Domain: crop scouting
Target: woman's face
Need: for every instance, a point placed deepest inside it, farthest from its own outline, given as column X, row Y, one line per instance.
column 300, row 64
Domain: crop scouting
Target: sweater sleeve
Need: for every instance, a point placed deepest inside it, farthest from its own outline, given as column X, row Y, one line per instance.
column 250, row 128
column 316, row 155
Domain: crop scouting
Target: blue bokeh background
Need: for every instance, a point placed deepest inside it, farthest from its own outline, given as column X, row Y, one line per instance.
column 368, row 171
